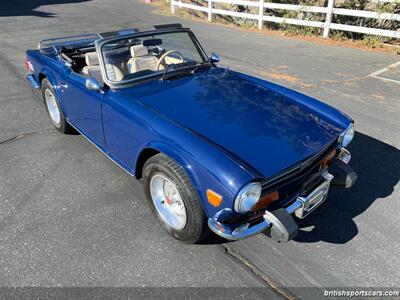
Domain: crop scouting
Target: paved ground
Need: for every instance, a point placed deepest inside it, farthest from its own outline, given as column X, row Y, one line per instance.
column 70, row 217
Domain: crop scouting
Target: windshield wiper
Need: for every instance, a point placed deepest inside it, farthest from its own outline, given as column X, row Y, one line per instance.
column 165, row 71
column 186, row 67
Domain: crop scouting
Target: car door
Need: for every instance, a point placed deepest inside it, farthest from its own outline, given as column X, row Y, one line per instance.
column 83, row 107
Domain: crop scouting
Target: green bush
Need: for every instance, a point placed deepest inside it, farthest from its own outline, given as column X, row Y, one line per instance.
column 371, row 42
column 339, row 36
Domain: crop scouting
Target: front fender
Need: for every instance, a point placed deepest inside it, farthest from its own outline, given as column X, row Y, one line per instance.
column 207, row 170
column 132, row 128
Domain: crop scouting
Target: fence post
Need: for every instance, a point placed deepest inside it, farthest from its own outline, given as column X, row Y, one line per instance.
column 261, row 15
column 328, row 19
column 172, row 7
column 210, row 10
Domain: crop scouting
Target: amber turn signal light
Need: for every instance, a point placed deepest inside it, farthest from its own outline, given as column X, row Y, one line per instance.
column 265, row 200
column 213, row 198
column 325, row 161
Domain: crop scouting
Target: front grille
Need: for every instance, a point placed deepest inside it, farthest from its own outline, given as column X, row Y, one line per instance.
column 298, row 179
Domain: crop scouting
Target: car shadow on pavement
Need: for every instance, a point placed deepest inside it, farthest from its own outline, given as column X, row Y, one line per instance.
column 213, row 239
column 378, row 167
column 28, row 8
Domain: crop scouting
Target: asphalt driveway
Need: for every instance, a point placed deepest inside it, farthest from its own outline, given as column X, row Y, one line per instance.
column 70, row 217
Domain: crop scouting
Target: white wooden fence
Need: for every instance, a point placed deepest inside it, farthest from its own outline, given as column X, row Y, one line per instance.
column 327, row 25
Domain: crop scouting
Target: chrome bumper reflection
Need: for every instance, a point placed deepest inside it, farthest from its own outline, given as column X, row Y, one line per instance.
column 301, row 207
column 344, row 155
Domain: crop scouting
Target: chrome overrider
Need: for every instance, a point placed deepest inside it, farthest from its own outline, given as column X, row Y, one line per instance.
column 301, row 207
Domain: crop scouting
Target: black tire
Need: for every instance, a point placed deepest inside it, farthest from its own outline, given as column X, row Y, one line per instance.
column 63, row 125
column 196, row 228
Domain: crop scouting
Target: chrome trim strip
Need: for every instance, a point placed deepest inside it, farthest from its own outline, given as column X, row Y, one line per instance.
column 230, row 233
column 46, row 41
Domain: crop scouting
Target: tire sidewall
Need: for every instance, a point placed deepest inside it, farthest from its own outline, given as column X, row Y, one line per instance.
column 47, row 86
column 190, row 233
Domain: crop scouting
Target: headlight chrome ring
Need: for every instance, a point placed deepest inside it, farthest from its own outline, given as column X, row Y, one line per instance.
column 248, row 196
column 347, row 136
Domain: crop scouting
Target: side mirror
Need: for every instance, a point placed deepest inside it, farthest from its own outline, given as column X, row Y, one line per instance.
column 92, row 84
column 214, row 58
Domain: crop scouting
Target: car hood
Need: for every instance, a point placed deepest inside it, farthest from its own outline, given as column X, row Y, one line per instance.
column 262, row 124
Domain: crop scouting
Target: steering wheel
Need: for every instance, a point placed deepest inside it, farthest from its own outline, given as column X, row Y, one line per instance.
column 162, row 58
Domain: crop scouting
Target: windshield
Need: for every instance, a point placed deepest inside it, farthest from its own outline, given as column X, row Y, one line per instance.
column 137, row 58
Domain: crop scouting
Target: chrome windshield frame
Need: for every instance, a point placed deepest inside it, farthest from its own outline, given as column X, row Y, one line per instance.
column 117, row 84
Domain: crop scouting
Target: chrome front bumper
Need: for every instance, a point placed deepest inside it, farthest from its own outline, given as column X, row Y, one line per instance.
column 301, row 207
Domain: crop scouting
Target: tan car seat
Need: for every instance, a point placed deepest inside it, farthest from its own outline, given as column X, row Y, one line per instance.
column 141, row 60
column 92, row 68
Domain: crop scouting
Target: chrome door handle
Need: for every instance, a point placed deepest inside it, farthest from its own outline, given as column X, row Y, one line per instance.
column 63, row 85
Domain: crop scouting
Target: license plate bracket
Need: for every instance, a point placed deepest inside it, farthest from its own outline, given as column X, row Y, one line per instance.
column 315, row 198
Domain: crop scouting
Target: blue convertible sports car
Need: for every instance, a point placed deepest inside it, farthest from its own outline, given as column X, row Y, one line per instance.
column 216, row 149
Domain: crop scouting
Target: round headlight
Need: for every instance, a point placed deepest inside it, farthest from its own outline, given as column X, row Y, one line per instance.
column 247, row 197
column 347, row 136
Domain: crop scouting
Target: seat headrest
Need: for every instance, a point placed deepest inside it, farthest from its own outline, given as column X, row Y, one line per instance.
column 91, row 59
column 138, row 50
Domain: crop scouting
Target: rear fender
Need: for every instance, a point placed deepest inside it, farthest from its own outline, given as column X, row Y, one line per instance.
column 44, row 71
column 43, row 68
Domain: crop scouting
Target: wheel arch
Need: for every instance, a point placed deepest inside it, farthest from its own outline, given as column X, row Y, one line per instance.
column 143, row 156
column 44, row 73
column 47, row 73
column 158, row 147
column 41, row 76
